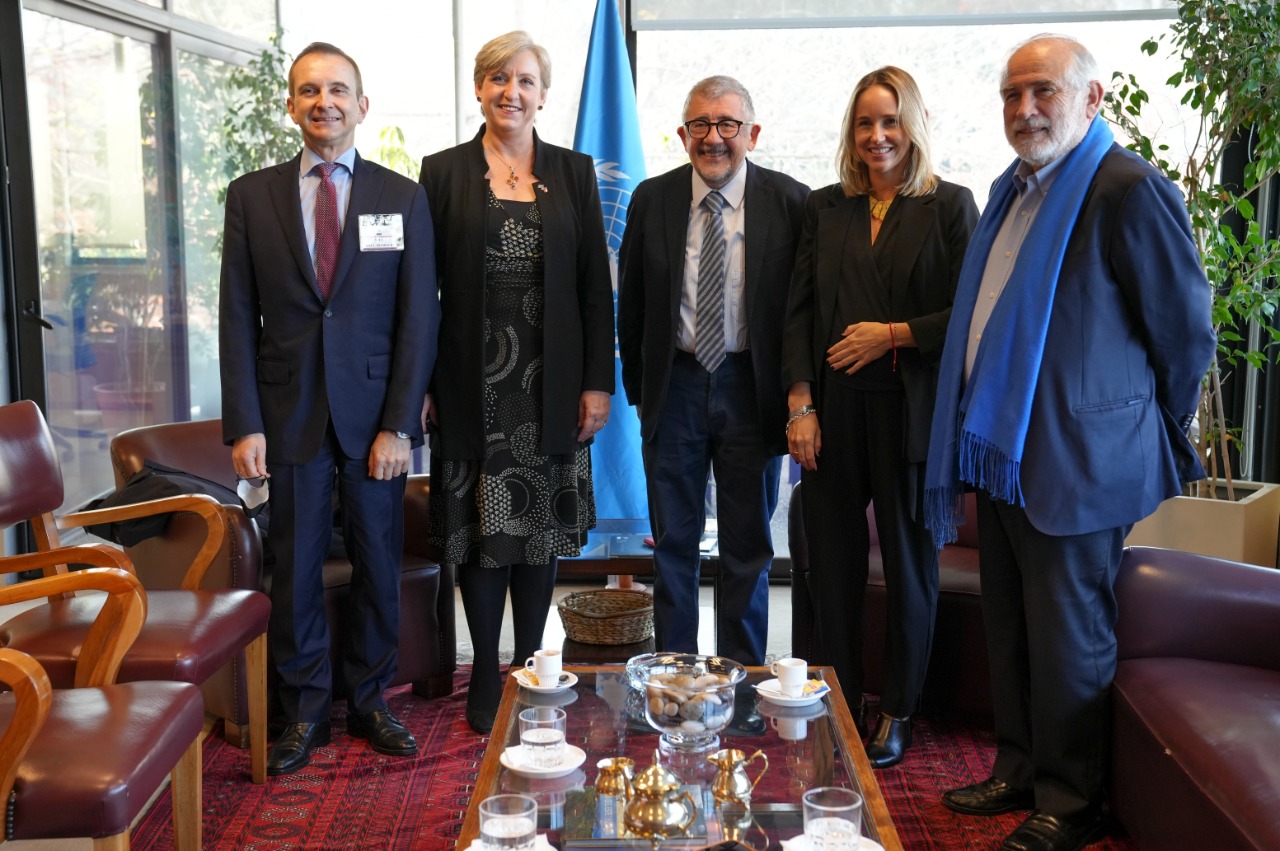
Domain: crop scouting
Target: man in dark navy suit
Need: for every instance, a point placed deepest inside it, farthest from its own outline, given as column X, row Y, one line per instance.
column 1072, row 367
column 700, row 315
column 328, row 322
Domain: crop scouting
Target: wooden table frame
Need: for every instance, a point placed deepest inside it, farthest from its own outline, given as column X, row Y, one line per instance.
column 874, row 807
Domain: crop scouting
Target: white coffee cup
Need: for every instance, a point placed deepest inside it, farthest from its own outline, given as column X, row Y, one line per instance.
column 791, row 729
column 546, row 666
column 792, row 674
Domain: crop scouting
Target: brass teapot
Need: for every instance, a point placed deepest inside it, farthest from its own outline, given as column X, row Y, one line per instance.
column 732, row 783
column 614, row 777
column 658, row 809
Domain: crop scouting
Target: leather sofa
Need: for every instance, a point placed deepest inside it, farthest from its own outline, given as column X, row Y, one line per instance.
column 958, row 680
column 1196, row 702
column 427, row 646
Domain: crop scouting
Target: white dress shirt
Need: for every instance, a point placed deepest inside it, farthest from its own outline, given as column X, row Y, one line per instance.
column 735, row 303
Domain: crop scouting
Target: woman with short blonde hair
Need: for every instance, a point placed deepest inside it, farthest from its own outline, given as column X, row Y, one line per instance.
column 525, row 365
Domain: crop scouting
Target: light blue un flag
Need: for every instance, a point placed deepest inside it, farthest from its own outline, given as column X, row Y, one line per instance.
column 609, row 131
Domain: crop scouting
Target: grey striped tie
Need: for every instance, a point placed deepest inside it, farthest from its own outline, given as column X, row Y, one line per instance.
column 711, row 263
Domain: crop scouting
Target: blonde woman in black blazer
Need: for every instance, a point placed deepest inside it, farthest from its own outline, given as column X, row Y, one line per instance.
column 876, row 271
column 526, row 366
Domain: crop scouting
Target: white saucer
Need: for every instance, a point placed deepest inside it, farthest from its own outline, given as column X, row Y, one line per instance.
column 574, row 756
column 808, row 712
column 563, row 697
column 548, row 786
column 568, row 680
column 771, row 691
column 803, row 843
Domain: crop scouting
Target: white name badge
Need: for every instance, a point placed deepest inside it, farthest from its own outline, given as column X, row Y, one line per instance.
column 381, row 232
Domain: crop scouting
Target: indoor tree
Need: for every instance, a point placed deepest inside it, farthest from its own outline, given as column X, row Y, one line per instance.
column 1228, row 58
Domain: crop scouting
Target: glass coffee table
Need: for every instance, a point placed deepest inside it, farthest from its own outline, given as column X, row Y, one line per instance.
column 806, row 747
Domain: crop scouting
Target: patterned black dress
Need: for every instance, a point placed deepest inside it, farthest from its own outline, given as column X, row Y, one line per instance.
column 515, row 506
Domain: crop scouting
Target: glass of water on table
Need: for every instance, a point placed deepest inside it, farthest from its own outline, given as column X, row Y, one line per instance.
column 508, row 822
column 833, row 818
column 542, row 736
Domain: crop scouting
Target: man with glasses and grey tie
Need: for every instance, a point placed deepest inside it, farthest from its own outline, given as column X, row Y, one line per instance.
column 328, row 321
column 703, row 278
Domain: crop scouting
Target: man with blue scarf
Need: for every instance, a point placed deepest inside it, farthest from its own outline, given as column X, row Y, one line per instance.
column 1070, row 374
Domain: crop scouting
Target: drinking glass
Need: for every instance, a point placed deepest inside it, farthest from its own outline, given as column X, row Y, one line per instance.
column 508, row 822
column 833, row 818
column 542, row 735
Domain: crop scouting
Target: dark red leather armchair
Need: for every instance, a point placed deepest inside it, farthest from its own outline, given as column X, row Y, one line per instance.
column 84, row 761
column 428, row 645
column 1196, row 702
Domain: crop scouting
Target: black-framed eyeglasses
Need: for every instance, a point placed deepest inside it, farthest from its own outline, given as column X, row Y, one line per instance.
column 699, row 128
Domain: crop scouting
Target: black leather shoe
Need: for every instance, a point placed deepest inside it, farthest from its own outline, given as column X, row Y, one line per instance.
column 1043, row 832
column 384, row 731
column 890, row 742
column 292, row 749
column 991, row 797
column 481, row 720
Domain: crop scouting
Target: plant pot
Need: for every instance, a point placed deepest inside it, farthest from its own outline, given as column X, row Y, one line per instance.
column 125, row 406
column 1241, row 530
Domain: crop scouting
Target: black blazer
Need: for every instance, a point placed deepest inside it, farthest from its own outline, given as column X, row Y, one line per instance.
column 933, row 232
column 290, row 361
column 578, row 293
column 651, row 278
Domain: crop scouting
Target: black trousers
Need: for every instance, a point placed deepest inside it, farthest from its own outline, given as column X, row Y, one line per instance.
column 863, row 460
column 1050, row 612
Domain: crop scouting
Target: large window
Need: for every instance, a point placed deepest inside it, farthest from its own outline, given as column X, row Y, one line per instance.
column 676, row 14
column 105, row 265
column 255, row 19
column 200, row 90
column 801, row 90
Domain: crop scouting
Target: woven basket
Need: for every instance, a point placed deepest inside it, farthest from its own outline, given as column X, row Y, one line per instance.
column 607, row 616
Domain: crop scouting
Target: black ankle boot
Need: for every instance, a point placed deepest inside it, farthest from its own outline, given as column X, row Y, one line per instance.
column 481, row 720
column 890, row 741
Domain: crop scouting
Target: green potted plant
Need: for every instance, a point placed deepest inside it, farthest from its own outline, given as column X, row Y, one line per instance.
column 1228, row 58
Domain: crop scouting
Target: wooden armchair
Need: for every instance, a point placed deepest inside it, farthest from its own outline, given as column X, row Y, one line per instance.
column 83, row 762
column 427, row 648
column 189, row 634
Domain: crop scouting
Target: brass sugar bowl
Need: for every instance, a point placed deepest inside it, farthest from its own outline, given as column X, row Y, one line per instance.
column 658, row 809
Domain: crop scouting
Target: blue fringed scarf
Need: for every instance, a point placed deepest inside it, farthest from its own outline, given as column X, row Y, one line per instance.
column 980, row 429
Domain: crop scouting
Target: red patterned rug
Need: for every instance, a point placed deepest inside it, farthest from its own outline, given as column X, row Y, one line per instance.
column 947, row 754
column 353, row 799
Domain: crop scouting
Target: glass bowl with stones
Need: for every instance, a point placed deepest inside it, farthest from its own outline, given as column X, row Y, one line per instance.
column 688, row 698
